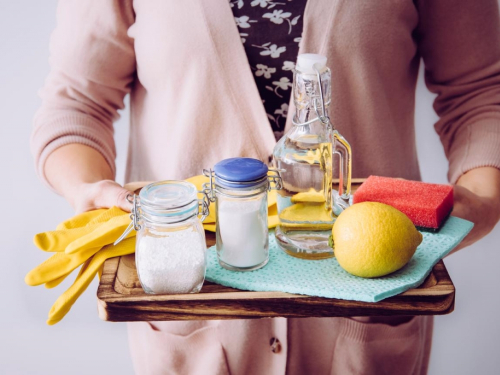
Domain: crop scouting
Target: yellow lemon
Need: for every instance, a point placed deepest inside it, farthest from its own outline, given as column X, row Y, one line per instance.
column 374, row 239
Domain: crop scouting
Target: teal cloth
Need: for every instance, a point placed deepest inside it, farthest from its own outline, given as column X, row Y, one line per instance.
column 325, row 278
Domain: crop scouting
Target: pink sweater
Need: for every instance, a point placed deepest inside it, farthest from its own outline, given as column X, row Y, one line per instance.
column 194, row 102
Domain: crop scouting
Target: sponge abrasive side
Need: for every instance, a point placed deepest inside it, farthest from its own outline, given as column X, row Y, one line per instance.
column 427, row 205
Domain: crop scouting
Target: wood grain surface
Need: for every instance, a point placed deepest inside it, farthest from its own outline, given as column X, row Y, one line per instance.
column 121, row 298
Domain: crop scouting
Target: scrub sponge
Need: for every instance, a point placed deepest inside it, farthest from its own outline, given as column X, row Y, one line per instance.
column 427, row 205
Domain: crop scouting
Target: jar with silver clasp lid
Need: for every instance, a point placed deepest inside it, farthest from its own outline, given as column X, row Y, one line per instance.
column 170, row 246
column 239, row 188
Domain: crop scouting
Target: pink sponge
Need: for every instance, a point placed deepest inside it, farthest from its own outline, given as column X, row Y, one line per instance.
column 427, row 205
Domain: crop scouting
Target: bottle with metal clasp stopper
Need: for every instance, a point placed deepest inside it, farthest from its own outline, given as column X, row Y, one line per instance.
column 307, row 203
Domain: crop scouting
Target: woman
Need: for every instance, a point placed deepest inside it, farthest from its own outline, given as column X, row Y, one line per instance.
column 198, row 71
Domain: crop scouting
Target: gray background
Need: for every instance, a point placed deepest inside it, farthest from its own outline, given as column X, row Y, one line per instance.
column 465, row 342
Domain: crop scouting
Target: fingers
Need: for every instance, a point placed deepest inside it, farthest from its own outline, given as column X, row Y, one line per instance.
column 57, row 241
column 108, row 193
column 64, row 303
column 53, row 283
column 104, row 234
column 134, row 186
column 80, row 220
column 106, row 215
column 57, row 266
column 121, row 200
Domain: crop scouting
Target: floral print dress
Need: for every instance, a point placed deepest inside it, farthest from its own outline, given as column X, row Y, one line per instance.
column 271, row 32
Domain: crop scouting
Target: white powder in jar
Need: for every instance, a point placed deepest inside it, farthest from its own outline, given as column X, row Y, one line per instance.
column 243, row 232
column 172, row 264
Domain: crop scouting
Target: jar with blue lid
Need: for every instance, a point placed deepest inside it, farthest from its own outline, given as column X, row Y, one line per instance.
column 171, row 249
column 239, row 188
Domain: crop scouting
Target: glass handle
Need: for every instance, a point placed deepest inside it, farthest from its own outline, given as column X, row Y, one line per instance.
column 343, row 148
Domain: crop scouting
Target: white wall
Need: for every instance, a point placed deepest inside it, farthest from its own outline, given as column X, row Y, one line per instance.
column 81, row 343
column 465, row 341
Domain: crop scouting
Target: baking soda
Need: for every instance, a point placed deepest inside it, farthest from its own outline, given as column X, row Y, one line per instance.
column 172, row 264
column 243, row 233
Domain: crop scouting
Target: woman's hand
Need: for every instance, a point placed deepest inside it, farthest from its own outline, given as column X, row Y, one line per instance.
column 101, row 194
column 477, row 199
column 82, row 176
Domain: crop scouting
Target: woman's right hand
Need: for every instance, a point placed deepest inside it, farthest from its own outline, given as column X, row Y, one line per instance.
column 101, row 194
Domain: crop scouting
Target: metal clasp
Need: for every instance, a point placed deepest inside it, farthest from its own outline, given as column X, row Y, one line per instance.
column 275, row 179
column 134, row 217
column 209, row 187
column 323, row 117
column 204, row 204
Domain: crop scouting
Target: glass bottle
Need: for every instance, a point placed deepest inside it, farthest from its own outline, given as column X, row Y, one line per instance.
column 307, row 204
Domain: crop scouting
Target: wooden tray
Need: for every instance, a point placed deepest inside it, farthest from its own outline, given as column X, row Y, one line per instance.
column 121, row 298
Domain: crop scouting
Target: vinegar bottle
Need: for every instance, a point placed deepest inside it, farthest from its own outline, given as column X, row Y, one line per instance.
column 307, row 204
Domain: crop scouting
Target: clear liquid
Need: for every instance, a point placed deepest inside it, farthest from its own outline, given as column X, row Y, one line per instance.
column 305, row 202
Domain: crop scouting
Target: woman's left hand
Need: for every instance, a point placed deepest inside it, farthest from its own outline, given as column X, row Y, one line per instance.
column 477, row 199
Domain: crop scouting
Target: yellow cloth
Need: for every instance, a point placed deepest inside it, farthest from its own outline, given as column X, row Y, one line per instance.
column 87, row 239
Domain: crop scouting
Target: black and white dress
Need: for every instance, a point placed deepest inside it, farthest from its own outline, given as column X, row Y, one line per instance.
column 271, row 32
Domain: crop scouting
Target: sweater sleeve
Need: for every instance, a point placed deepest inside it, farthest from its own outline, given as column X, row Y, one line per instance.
column 92, row 68
column 459, row 42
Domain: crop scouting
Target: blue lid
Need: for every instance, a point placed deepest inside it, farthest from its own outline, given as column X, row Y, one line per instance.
column 240, row 170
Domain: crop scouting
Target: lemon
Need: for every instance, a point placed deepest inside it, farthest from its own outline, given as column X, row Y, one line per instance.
column 374, row 239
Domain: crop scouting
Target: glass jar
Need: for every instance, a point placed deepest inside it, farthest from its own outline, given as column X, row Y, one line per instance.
column 239, row 187
column 170, row 250
column 307, row 205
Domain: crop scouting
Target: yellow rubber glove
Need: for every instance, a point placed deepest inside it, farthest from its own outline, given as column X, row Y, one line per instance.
column 102, row 235
column 82, row 219
column 209, row 227
column 59, row 240
column 272, row 198
column 58, row 265
column 55, row 282
column 272, row 216
column 64, row 303
column 54, row 270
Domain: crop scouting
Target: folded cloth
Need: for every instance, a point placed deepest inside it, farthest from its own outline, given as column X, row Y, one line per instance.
column 325, row 278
